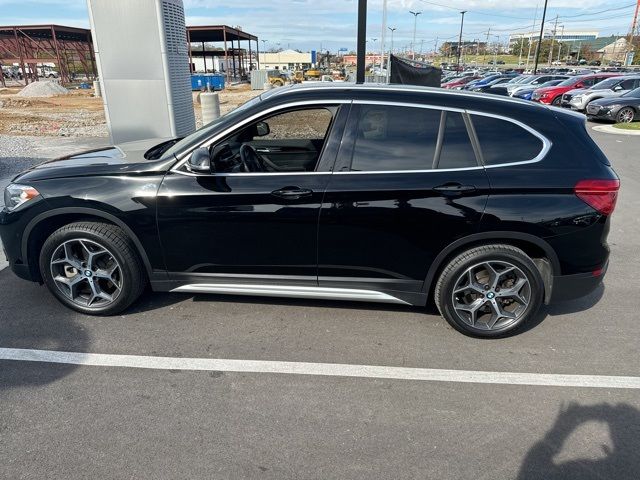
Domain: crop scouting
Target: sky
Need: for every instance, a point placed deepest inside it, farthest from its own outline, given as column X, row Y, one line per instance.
column 331, row 24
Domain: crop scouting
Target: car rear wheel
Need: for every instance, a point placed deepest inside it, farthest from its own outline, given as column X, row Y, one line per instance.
column 625, row 115
column 92, row 268
column 489, row 291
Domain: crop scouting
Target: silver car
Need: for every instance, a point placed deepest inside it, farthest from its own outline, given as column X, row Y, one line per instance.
column 578, row 99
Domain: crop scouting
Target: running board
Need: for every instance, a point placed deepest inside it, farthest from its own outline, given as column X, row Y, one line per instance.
column 324, row 293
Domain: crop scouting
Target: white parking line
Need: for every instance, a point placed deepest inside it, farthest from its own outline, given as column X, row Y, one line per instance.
column 324, row 369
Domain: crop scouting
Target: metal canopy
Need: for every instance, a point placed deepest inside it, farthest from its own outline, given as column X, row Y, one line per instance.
column 201, row 35
column 29, row 45
column 218, row 33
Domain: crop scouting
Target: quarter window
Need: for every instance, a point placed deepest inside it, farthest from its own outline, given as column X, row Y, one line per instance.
column 395, row 138
column 502, row 141
column 457, row 151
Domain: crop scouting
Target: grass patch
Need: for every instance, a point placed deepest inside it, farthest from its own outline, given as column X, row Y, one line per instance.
column 628, row 126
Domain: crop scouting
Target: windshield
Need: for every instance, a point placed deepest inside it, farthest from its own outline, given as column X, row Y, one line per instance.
column 550, row 83
column 570, row 81
column 608, row 83
column 633, row 93
column 203, row 132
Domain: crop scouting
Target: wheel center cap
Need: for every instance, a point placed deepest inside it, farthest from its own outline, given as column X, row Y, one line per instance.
column 491, row 295
column 88, row 273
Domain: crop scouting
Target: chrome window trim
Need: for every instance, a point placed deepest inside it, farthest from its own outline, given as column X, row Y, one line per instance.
column 546, row 143
column 246, row 121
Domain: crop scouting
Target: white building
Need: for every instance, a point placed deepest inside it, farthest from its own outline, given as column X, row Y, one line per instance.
column 561, row 36
column 285, row 60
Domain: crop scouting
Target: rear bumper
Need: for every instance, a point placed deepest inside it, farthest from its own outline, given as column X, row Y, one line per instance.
column 570, row 287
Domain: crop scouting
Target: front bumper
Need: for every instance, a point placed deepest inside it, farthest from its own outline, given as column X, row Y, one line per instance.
column 570, row 287
column 12, row 226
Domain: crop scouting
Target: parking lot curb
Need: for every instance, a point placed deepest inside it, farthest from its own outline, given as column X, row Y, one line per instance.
column 614, row 130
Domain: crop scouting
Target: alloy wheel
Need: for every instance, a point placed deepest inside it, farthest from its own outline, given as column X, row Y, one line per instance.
column 491, row 295
column 625, row 115
column 86, row 273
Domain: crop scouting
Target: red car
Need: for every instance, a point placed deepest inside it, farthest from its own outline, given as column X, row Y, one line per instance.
column 553, row 95
column 460, row 82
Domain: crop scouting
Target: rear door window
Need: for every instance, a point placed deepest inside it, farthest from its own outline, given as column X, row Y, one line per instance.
column 502, row 141
column 393, row 137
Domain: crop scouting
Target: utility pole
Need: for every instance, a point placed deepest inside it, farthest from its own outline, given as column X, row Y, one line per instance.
column 460, row 40
column 362, row 40
column 544, row 15
column 415, row 24
column 486, row 45
column 435, row 48
column 553, row 39
column 632, row 32
column 393, row 29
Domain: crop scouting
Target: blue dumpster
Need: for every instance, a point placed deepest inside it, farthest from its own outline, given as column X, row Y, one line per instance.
column 199, row 81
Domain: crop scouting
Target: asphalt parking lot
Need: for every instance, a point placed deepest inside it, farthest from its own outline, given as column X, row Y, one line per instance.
column 162, row 419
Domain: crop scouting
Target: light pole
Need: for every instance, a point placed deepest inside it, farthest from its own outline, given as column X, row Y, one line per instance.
column 538, row 47
column 393, row 29
column 383, row 32
column 415, row 23
column 374, row 40
column 460, row 40
column 560, row 41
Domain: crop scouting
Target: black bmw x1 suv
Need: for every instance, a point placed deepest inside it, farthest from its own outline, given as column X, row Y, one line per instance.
column 489, row 206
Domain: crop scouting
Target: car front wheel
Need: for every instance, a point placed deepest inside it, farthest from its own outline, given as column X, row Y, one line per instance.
column 489, row 291
column 92, row 268
column 625, row 115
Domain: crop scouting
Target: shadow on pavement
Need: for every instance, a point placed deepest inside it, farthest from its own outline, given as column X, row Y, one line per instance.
column 37, row 325
column 620, row 462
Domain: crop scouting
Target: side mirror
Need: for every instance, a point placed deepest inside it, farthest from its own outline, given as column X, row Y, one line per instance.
column 200, row 161
column 617, row 88
column 262, row 129
column 579, row 85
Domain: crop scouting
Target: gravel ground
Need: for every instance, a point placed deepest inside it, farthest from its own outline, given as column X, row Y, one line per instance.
column 16, row 154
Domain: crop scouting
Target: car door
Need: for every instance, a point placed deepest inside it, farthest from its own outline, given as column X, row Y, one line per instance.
column 259, row 226
column 407, row 183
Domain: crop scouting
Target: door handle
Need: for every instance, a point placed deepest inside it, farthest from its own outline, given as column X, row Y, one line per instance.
column 455, row 188
column 292, row 193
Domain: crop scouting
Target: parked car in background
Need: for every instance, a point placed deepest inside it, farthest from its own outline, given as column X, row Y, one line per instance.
column 526, row 92
column 535, row 80
column 501, row 88
column 611, row 87
column 459, row 83
column 489, row 80
column 622, row 109
column 553, row 95
column 488, row 86
column 389, row 194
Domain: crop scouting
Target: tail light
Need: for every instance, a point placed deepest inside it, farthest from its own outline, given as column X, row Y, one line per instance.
column 599, row 194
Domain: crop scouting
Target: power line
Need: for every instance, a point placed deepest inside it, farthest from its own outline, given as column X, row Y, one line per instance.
column 472, row 11
column 601, row 11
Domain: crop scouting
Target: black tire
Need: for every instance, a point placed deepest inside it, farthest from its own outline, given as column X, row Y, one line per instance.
column 458, row 266
column 131, row 271
column 557, row 101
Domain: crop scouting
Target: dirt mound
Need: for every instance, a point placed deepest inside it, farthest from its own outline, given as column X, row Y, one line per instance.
column 43, row 89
